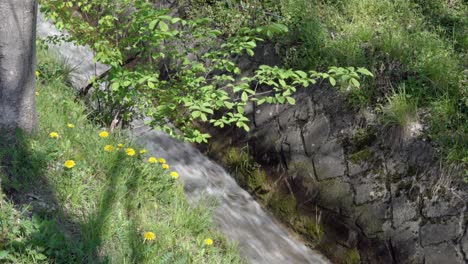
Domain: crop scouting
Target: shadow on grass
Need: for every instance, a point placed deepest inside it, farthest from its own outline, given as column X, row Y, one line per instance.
column 63, row 240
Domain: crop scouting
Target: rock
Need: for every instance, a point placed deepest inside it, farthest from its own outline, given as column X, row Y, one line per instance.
column 364, row 194
column 440, row 208
column 315, row 134
column 441, row 254
column 329, row 161
column 335, row 195
column 371, row 218
column 405, row 242
column 432, row 234
column 294, row 140
column 265, row 114
column 403, row 210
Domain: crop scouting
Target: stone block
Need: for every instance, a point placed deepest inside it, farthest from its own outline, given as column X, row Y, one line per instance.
column 315, row 133
column 444, row 253
column 329, row 161
column 434, row 233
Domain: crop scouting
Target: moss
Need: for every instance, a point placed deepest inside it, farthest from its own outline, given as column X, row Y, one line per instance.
column 352, row 256
column 283, row 205
column 309, row 227
column 362, row 138
column 360, row 156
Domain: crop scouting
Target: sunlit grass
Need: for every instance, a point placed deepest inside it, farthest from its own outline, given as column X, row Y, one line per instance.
column 95, row 202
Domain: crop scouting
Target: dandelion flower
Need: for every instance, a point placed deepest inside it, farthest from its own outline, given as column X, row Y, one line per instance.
column 69, row 164
column 165, row 166
column 174, row 175
column 70, row 125
column 120, row 145
column 143, row 151
column 53, row 135
column 37, row 93
column 152, row 160
column 208, row 241
column 108, row 148
column 38, row 73
column 149, row 236
column 104, row 134
column 161, row 160
column 130, row 151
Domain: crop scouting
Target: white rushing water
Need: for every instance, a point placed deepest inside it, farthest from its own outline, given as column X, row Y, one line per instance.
column 260, row 238
column 238, row 215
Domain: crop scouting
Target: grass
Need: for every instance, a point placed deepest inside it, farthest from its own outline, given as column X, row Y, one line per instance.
column 99, row 210
column 421, row 45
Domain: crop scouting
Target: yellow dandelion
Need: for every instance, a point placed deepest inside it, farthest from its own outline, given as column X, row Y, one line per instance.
column 53, row 135
column 174, row 175
column 70, row 125
column 37, row 93
column 165, row 166
column 152, row 160
column 130, row 151
column 69, row 164
column 120, row 145
column 108, row 148
column 149, row 236
column 143, row 151
column 104, row 134
column 161, row 160
column 38, row 73
column 208, row 242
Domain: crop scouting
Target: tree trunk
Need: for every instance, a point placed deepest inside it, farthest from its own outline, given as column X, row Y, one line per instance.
column 18, row 64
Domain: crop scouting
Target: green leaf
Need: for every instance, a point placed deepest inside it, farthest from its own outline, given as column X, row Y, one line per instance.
column 365, row 71
column 152, row 24
column 301, row 74
column 115, row 86
column 355, row 82
column 291, row 100
column 3, row 254
column 244, row 97
column 332, row 81
column 163, row 26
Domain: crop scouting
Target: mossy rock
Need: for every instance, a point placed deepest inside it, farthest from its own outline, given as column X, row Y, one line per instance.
column 363, row 138
column 361, row 156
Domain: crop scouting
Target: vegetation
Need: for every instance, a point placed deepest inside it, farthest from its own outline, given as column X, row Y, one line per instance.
column 161, row 63
column 72, row 194
column 417, row 45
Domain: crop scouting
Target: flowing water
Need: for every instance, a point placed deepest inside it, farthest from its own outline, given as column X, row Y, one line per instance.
column 238, row 216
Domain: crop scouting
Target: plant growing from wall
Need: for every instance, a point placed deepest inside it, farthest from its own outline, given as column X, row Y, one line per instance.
column 177, row 72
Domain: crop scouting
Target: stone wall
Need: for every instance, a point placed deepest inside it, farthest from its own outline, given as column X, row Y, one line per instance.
column 378, row 190
column 348, row 167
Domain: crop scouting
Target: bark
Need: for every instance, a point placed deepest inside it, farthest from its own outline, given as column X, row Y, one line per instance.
column 18, row 64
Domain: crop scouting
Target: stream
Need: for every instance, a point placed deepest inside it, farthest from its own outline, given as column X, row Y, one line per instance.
column 239, row 217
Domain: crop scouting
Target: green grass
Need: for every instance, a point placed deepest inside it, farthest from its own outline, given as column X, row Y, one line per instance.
column 97, row 211
column 419, row 44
